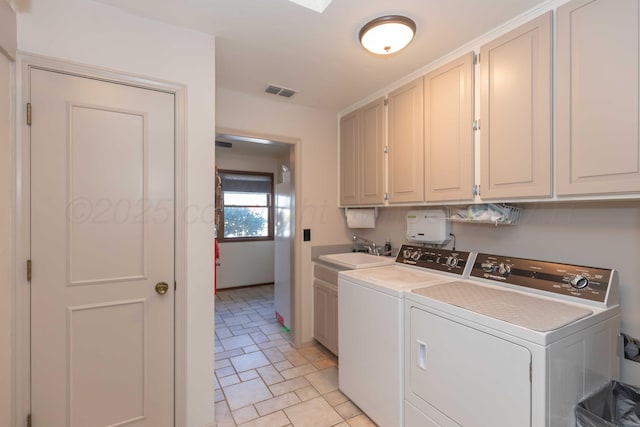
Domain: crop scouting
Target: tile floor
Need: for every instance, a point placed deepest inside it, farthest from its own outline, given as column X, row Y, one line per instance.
column 263, row 381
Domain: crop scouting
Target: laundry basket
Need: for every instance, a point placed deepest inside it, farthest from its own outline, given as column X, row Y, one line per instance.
column 615, row 405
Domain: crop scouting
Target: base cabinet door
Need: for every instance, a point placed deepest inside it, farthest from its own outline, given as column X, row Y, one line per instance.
column 325, row 315
column 515, row 113
column 598, row 54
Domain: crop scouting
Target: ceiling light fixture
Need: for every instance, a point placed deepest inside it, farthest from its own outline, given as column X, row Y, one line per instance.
column 387, row 34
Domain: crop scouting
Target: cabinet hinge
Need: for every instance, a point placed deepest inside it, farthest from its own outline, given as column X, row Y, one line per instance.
column 28, row 270
column 476, row 124
column 28, row 114
column 386, row 149
column 386, row 196
column 28, row 420
column 476, row 190
column 476, row 58
column 386, row 102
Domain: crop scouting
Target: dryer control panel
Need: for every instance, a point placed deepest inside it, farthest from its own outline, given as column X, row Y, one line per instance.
column 435, row 259
column 586, row 283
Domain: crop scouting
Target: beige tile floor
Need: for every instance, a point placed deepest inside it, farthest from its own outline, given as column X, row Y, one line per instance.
column 261, row 380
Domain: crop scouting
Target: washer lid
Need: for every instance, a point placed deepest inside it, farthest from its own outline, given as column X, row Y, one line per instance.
column 527, row 311
column 392, row 279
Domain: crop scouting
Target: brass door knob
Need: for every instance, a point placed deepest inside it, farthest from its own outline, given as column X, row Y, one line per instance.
column 162, row 288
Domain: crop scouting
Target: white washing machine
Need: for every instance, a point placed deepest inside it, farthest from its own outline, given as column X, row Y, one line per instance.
column 371, row 324
column 516, row 345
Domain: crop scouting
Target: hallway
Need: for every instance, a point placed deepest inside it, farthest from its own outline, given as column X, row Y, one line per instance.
column 263, row 381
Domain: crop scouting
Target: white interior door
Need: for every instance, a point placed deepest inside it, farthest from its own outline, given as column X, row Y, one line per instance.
column 102, row 236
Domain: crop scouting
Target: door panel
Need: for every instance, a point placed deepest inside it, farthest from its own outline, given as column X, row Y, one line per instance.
column 98, row 139
column 102, row 231
column 349, row 180
column 448, row 139
column 119, row 325
column 597, row 115
column 372, row 146
column 406, row 143
column 515, row 113
column 444, row 360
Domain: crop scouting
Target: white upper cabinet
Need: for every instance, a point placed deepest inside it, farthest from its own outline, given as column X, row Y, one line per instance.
column 362, row 155
column 448, row 132
column 372, row 153
column 349, row 159
column 406, row 143
column 597, row 83
column 515, row 113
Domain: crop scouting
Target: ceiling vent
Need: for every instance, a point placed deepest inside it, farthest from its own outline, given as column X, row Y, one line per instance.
column 282, row 91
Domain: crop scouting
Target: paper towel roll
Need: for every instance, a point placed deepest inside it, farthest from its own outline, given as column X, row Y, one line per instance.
column 361, row 218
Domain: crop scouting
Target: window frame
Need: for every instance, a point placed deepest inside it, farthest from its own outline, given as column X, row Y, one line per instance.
column 270, row 209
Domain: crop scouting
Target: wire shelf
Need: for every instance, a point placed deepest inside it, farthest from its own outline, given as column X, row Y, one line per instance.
column 488, row 213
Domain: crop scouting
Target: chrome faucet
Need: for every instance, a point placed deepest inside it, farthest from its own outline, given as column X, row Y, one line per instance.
column 367, row 244
column 370, row 246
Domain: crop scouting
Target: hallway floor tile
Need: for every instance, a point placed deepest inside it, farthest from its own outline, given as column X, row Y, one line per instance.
column 261, row 380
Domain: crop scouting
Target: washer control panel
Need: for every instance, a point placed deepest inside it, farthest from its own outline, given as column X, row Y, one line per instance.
column 572, row 280
column 434, row 259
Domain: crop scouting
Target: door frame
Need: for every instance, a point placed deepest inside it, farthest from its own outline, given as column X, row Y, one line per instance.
column 22, row 212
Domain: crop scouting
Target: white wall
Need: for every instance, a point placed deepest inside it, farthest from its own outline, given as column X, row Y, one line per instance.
column 7, row 46
column 94, row 34
column 245, row 263
column 317, row 130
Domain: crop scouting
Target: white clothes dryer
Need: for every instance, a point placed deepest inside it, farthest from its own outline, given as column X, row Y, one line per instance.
column 518, row 344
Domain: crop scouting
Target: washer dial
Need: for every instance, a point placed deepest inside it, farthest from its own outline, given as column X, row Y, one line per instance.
column 579, row 281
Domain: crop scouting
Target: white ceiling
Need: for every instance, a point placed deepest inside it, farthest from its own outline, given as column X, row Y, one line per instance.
column 280, row 42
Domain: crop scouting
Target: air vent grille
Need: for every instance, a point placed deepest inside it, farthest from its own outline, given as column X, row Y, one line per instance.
column 282, row 91
column 287, row 93
column 274, row 90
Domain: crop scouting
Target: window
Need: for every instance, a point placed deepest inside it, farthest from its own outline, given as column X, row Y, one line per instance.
column 247, row 211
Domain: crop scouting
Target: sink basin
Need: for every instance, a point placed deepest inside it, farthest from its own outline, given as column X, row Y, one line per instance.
column 356, row 260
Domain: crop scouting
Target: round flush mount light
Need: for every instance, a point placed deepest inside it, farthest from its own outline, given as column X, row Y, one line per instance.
column 387, row 34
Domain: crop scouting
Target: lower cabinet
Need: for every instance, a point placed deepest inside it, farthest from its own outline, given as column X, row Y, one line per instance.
column 325, row 309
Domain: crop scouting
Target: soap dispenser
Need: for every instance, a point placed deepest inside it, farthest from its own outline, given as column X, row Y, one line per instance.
column 387, row 247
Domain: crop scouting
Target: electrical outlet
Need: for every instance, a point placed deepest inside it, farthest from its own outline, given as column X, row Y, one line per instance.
column 306, row 235
column 631, row 348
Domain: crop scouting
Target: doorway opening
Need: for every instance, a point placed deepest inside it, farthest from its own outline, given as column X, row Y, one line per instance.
column 258, row 262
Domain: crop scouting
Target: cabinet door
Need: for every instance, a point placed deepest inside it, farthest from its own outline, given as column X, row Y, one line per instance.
column 448, row 133
column 349, row 125
column 598, row 150
column 325, row 315
column 332, row 321
column 320, row 308
column 515, row 115
column 406, row 144
column 371, row 174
